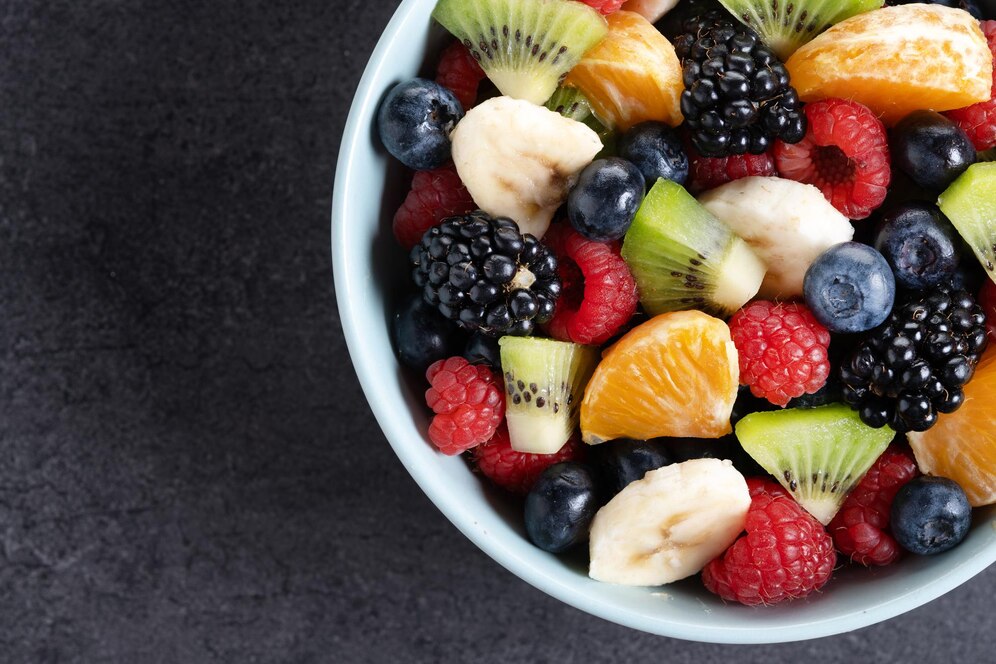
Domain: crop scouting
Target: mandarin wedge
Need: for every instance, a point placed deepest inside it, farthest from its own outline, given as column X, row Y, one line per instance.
column 675, row 375
column 897, row 60
column 632, row 75
column 962, row 445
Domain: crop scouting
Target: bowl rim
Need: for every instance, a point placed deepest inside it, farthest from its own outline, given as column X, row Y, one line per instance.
column 356, row 137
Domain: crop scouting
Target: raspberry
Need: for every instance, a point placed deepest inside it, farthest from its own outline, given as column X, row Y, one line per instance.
column 468, row 401
column 757, row 485
column 785, row 554
column 979, row 120
column 598, row 293
column 434, row 196
column 706, row 173
column 861, row 527
column 518, row 471
column 460, row 72
column 782, row 349
column 606, row 7
column 845, row 154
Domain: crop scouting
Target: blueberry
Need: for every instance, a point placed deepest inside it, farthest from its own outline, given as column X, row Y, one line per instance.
column 930, row 515
column 415, row 121
column 727, row 447
column 850, row 288
column 421, row 334
column 605, row 199
column 560, row 506
column 920, row 245
column 656, row 150
column 931, row 149
column 482, row 348
column 623, row 461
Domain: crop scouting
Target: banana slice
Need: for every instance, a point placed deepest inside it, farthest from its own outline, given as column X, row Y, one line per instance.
column 519, row 160
column 670, row 524
column 787, row 224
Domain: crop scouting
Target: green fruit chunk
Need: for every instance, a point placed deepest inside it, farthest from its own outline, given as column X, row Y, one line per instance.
column 785, row 25
column 970, row 203
column 525, row 47
column 544, row 386
column 682, row 257
column 817, row 454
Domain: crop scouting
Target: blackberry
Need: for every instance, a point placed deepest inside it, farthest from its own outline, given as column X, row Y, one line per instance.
column 737, row 96
column 485, row 275
column 916, row 363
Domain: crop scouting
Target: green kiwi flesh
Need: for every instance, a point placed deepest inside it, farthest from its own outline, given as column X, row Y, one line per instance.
column 785, row 25
column 682, row 257
column 544, row 386
column 817, row 454
column 970, row 203
column 526, row 47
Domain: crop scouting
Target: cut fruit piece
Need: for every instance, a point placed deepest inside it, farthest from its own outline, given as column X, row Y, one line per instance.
column 818, row 454
column 668, row 525
column 896, row 60
column 524, row 46
column 674, row 376
column 571, row 103
column 652, row 10
column 519, row 160
column 962, row 445
column 633, row 75
column 544, row 381
column 785, row 25
column 787, row 224
column 682, row 257
column 970, row 204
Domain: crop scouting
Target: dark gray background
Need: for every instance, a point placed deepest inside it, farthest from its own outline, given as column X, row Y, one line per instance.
column 188, row 472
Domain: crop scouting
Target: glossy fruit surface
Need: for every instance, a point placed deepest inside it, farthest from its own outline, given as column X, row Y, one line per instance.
column 930, row 515
column 415, row 121
column 931, row 149
column 850, row 288
column 920, row 245
column 602, row 204
column 655, row 149
column 560, row 506
column 421, row 334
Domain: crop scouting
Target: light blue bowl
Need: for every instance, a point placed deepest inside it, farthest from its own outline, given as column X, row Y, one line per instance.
column 371, row 276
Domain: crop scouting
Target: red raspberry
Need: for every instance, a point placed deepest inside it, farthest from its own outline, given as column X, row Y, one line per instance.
column 845, row 154
column 785, row 554
column 987, row 300
column 606, row 7
column 979, row 120
column 782, row 348
column 706, row 173
column 861, row 528
column 468, row 401
column 598, row 292
column 766, row 485
column 460, row 72
column 518, row 471
column 434, row 196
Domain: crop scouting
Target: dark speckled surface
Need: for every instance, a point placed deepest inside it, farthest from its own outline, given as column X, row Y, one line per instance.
column 187, row 471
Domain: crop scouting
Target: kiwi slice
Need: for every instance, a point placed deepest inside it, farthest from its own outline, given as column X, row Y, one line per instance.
column 785, row 25
column 970, row 203
column 544, row 385
column 526, row 47
column 683, row 257
column 818, row 454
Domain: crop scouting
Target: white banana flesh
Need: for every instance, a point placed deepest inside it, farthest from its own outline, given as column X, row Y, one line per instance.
column 670, row 524
column 787, row 224
column 519, row 160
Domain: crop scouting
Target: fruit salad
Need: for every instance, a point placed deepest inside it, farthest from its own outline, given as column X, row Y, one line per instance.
column 709, row 286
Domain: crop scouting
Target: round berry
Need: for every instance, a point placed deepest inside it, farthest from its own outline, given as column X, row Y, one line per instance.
column 850, row 288
column 602, row 204
column 468, row 402
column 987, row 300
column 656, row 150
column 931, row 149
column 560, row 506
column 624, row 461
column 415, row 121
column 920, row 245
column 482, row 348
column 421, row 334
column 930, row 515
column 518, row 471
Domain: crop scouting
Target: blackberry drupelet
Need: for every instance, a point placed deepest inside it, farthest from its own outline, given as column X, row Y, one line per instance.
column 485, row 275
column 737, row 96
column 916, row 363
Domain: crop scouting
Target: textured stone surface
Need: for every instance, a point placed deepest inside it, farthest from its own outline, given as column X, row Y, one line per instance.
column 187, row 472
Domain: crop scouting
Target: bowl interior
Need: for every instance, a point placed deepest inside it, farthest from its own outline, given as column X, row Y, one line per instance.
column 371, row 277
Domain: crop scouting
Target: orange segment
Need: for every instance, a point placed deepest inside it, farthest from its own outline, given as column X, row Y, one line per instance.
column 675, row 375
column 632, row 75
column 962, row 445
column 896, row 60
